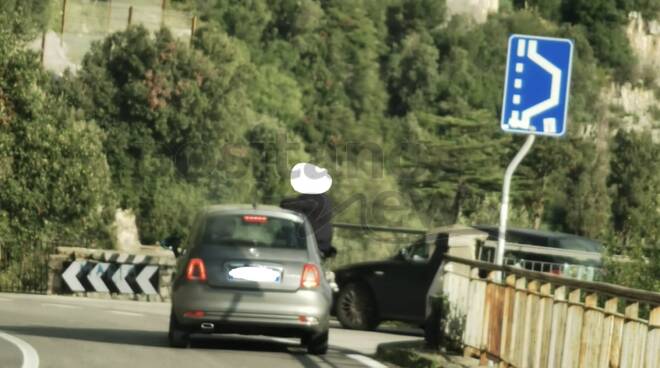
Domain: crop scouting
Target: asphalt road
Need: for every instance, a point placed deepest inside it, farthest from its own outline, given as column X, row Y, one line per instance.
column 70, row 332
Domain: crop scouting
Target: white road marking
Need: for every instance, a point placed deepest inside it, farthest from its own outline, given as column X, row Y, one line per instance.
column 366, row 361
column 127, row 313
column 60, row 305
column 30, row 356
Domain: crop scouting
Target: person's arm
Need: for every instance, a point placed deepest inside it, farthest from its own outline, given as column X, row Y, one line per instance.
column 298, row 204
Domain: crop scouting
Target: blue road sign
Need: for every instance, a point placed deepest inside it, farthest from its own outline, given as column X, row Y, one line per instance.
column 536, row 87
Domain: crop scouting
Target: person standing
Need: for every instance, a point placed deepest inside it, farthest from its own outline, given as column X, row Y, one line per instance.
column 313, row 182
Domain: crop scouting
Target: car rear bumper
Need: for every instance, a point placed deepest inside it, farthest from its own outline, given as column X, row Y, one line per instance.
column 252, row 311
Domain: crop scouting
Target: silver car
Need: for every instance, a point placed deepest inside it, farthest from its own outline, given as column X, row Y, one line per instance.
column 251, row 270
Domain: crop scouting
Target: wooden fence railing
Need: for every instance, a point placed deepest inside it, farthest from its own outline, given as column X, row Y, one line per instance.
column 535, row 319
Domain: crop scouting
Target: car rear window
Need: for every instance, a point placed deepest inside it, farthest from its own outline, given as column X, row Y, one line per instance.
column 254, row 231
column 529, row 239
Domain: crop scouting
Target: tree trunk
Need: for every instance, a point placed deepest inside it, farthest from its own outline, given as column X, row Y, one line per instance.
column 539, row 209
column 458, row 201
column 539, row 206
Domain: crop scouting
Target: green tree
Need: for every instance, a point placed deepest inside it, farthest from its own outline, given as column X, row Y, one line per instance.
column 273, row 151
column 452, row 172
column 169, row 112
column 413, row 75
column 634, row 182
column 275, row 93
column 54, row 179
column 404, row 17
column 333, row 52
column 604, row 21
column 549, row 9
column 587, row 203
column 24, row 18
column 243, row 19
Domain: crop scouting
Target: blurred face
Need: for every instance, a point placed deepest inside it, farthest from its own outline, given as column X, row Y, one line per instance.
column 308, row 178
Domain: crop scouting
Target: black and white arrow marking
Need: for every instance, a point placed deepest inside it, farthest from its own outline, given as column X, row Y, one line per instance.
column 70, row 276
column 81, row 276
column 119, row 278
column 144, row 277
column 95, row 275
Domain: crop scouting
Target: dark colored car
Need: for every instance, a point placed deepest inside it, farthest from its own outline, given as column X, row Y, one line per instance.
column 554, row 248
column 251, row 271
column 393, row 289
column 396, row 288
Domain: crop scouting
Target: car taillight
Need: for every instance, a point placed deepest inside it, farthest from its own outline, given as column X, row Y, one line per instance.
column 311, row 277
column 194, row 314
column 252, row 219
column 196, row 270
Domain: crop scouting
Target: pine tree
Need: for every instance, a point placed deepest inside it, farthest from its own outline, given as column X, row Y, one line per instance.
column 634, row 181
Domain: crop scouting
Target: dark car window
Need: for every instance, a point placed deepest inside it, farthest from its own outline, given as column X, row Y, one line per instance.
column 418, row 252
column 523, row 238
column 254, row 231
column 575, row 243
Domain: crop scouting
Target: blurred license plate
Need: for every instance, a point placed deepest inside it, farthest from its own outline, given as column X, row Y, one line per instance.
column 255, row 273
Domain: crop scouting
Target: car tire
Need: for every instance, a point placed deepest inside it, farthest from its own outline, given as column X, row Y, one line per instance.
column 177, row 336
column 356, row 308
column 317, row 344
column 433, row 329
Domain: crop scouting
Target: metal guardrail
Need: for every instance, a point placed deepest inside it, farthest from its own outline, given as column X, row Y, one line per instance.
column 580, row 272
column 547, row 251
column 387, row 229
column 517, row 255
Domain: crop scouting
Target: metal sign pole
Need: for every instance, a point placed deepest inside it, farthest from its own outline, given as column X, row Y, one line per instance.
column 504, row 211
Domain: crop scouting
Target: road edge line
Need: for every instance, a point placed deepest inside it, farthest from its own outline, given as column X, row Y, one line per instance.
column 30, row 356
column 369, row 362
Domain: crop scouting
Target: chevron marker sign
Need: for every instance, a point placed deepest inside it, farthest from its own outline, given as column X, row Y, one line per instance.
column 81, row 276
column 119, row 278
column 143, row 279
column 70, row 276
column 95, row 275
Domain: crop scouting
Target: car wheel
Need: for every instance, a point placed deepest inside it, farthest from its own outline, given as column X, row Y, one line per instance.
column 317, row 344
column 356, row 308
column 433, row 329
column 178, row 336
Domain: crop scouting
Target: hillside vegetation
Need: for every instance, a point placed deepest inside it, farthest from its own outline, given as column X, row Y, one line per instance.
column 398, row 101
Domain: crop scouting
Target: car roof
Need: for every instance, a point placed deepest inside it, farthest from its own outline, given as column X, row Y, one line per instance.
column 259, row 209
column 533, row 232
column 556, row 235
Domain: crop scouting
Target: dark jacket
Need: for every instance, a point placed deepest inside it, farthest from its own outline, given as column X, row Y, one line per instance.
column 318, row 209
